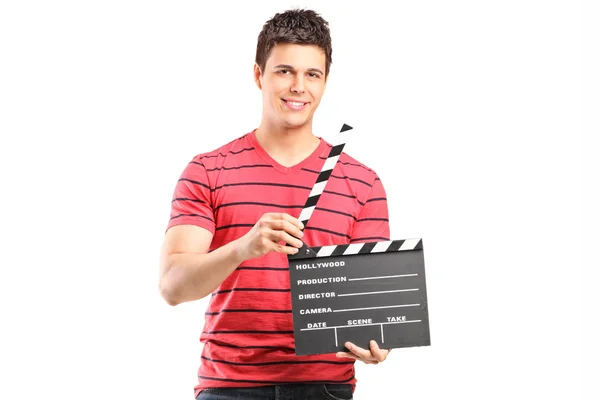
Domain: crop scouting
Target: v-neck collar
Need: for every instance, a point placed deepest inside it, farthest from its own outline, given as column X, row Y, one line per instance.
column 313, row 157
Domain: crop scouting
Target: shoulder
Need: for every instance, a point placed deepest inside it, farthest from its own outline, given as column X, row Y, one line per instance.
column 216, row 156
column 356, row 170
column 205, row 167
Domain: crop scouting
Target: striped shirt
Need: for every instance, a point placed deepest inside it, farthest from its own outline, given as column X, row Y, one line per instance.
column 248, row 330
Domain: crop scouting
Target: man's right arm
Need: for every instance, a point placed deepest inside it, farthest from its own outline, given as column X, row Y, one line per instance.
column 189, row 272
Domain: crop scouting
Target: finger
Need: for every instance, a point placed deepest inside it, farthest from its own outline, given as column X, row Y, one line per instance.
column 278, row 236
column 359, row 351
column 378, row 353
column 284, row 249
column 286, row 226
column 271, row 242
column 293, row 221
column 343, row 354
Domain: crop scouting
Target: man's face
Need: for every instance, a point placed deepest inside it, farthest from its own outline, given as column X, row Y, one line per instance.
column 292, row 84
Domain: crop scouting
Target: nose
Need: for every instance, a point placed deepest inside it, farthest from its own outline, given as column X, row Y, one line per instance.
column 298, row 84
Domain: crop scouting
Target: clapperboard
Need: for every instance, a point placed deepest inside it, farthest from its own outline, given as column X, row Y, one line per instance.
column 356, row 292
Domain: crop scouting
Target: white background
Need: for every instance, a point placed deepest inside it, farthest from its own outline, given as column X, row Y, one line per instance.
column 468, row 110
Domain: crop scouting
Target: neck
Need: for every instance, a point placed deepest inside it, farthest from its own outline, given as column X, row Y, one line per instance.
column 285, row 140
column 287, row 145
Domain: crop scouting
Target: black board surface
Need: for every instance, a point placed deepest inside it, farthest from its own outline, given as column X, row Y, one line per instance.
column 357, row 293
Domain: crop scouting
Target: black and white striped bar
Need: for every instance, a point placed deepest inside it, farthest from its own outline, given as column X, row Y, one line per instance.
column 338, row 143
column 368, row 248
column 357, row 292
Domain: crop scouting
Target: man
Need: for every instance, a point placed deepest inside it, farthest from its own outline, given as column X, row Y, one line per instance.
column 234, row 221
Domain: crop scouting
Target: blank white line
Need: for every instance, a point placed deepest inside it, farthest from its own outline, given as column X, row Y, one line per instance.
column 354, row 326
column 377, row 308
column 382, row 277
column 383, row 291
column 335, row 330
column 381, row 334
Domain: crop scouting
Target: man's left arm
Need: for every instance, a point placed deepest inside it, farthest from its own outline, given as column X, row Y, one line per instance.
column 372, row 225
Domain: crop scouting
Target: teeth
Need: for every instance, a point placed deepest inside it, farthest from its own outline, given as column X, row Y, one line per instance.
column 295, row 103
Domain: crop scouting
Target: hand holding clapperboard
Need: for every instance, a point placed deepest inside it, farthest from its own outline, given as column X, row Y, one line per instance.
column 356, row 292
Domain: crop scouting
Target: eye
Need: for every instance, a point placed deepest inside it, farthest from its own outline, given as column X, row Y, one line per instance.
column 284, row 71
column 314, row 75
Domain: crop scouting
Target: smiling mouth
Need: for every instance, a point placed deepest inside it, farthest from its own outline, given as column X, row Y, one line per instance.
column 295, row 105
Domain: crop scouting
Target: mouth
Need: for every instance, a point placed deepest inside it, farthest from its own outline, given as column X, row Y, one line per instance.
column 295, row 105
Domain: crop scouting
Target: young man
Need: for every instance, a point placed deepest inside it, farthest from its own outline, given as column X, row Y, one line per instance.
column 235, row 209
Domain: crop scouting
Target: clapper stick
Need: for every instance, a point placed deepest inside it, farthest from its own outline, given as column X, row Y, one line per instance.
column 338, row 144
column 356, row 292
column 326, row 170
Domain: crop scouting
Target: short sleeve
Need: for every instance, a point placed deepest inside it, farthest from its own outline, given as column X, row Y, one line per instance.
column 372, row 223
column 191, row 204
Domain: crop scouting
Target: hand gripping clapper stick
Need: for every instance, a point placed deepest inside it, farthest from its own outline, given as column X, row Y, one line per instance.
column 356, row 292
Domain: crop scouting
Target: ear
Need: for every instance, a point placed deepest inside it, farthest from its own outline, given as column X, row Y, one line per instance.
column 257, row 76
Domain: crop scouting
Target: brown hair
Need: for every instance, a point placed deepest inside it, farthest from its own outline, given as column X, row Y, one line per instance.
column 296, row 26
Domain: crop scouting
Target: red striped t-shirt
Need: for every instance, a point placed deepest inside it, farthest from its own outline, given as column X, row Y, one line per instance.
column 248, row 330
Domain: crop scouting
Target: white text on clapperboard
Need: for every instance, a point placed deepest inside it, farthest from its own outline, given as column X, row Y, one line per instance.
column 323, row 310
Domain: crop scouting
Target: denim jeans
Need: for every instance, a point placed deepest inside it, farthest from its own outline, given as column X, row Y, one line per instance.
column 280, row 392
